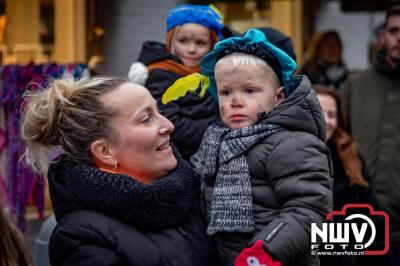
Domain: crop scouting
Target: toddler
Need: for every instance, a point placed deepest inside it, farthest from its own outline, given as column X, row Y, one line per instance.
column 265, row 169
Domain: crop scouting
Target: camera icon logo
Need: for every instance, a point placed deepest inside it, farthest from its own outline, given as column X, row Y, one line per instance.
column 357, row 229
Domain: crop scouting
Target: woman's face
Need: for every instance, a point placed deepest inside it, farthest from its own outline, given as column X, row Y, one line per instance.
column 190, row 42
column 330, row 51
column 142, row 135
column 328, row 104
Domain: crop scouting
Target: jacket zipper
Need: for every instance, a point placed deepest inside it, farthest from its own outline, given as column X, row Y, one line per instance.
column 275, row 231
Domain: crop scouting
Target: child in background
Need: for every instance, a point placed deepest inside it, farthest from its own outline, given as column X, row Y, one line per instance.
column 265, row 170
column 192, row 31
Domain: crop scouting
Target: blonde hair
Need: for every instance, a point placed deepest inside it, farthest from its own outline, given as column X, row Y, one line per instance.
column 67, row 114
column 13, row 250
column 237, row 61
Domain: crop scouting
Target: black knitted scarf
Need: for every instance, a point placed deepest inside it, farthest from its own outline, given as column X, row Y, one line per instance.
column 162, row 204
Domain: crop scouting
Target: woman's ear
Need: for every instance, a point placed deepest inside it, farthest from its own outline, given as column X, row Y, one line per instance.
column 280, row 95
column 102, row 152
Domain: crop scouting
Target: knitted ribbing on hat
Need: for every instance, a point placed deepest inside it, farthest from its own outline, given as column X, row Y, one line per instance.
column 222, row 157
column 161, row 204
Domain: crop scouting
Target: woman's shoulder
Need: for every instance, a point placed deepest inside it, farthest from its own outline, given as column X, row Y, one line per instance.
column 94, row 222
column 89, row 223
column 84, row 216
column 86, row 227
column 89, row 232
column 86, row 237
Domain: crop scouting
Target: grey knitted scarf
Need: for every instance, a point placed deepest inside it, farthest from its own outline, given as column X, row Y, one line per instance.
column 222, row 156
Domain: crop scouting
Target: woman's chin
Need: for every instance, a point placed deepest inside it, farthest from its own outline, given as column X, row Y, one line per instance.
column 168, row 161
column 172, row 163
column 168, row 165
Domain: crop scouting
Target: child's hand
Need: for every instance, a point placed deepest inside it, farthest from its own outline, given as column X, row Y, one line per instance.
column 255, row 256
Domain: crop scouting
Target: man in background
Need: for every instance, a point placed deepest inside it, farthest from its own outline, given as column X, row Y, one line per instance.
column 371, row 103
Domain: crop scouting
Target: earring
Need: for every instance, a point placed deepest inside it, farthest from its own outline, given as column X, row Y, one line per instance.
column 115, row 166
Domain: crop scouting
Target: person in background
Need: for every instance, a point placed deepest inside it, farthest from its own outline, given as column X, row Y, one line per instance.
column 351, row 178
column 264, row 168
column 352, row 184
column 192, row 31
column 13, row 251
column 121, row 194
column 371, row 107
column 324, row 63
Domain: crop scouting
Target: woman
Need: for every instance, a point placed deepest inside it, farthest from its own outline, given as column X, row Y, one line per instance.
column 350, row 175
column 324, row 63
column 351, row 179
column 121, row 193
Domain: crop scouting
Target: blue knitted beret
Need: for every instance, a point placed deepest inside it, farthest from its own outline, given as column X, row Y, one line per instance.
column 199, row 14
column 253, row 42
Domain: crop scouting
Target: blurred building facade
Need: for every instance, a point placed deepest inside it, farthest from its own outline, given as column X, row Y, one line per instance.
column 108, row 34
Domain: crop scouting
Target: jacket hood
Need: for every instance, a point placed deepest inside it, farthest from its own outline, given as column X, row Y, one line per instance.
column 301, row 111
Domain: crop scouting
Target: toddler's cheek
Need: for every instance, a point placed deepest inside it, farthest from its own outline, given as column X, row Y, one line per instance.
column 223, row 113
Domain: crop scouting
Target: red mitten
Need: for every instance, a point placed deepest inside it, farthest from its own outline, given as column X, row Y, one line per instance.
column 255, row 256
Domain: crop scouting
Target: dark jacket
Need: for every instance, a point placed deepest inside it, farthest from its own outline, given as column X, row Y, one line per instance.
column 108, row 219
column 371, row 106
column 343, row 193
column 291, row 183
column 190, row 114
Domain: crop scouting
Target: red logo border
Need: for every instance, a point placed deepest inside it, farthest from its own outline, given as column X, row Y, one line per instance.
column 330, row 215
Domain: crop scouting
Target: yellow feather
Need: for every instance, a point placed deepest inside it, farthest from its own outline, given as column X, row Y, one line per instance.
column 184, row 85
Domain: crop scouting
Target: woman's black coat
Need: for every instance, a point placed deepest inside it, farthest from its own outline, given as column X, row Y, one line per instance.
column 110, row 219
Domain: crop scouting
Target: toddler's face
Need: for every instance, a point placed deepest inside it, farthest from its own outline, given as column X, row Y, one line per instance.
column 245, row 92
column 190, row 43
